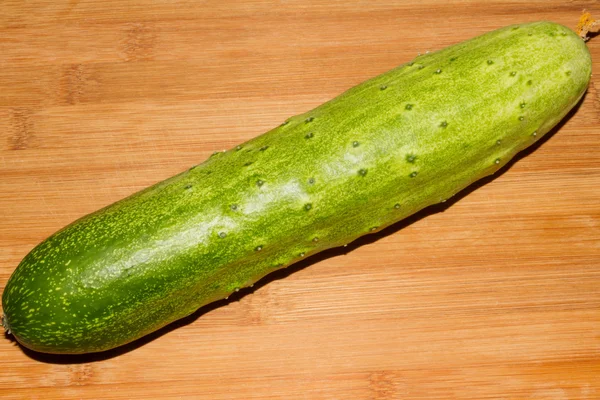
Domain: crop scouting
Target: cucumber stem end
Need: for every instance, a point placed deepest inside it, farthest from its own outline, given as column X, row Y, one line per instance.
column 587, row 25
column 5, row 324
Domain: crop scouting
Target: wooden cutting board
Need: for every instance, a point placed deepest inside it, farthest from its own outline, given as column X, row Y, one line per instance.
column 494, row 295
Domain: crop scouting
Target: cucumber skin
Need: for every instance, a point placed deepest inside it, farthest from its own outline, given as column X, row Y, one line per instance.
column 374, row 155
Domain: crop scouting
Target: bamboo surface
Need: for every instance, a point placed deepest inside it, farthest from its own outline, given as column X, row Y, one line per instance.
column 492, row 295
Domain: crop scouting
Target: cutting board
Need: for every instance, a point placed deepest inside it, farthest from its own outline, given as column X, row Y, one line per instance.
column 491, row 295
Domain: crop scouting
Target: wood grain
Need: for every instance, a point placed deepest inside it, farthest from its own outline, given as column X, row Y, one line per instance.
column 492, row 296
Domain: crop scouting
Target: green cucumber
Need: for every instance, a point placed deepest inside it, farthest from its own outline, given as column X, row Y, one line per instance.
column 372, row 156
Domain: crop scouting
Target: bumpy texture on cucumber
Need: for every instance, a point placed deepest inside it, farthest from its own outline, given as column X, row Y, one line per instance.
column 379, row 152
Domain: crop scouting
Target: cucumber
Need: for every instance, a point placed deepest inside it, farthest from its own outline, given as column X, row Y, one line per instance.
column 372, row 156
